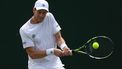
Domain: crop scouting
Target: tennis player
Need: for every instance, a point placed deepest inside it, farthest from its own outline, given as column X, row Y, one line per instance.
column 40, row 37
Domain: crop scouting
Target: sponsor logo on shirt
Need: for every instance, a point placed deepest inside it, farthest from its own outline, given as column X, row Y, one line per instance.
column 33, row 35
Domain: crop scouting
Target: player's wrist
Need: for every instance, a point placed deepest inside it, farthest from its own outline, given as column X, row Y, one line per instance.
column 63, row 45
column 50, row 51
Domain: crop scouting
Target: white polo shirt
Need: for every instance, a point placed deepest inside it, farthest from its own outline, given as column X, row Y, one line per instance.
column 41, row 37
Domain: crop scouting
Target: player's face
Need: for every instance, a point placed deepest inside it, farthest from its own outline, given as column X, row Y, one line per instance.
column 39, row 15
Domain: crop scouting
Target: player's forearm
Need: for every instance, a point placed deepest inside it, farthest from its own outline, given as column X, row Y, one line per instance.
column 37, row 54
column 60, row 41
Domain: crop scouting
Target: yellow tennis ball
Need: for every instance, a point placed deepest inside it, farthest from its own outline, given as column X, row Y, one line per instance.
column 95, row 45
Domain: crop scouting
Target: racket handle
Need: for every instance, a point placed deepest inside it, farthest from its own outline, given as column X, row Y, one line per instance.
column 78, row 52
column 75, row 52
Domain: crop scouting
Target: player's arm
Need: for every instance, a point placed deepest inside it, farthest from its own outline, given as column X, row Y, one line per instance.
column 32, row 52
column 35, row 54
column 28, row 45
column 59, row 39
column 61, row 43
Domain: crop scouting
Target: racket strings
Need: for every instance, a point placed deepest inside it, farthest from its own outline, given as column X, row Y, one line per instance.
column 105, row 48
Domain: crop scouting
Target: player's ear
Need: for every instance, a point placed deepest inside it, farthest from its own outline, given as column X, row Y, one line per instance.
column 34, row 9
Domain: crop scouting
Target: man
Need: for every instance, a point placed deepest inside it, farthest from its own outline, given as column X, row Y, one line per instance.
column 41, row 36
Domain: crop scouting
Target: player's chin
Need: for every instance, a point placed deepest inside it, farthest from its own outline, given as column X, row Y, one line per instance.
column 40, row 20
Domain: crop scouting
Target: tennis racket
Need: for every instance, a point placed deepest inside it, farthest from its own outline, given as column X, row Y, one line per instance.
column 101, row 50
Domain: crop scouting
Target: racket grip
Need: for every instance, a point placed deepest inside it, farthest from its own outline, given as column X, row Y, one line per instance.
column 78, row 52
column 75, row 52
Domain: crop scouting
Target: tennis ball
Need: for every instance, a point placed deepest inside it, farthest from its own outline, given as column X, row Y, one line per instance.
column 95, row 45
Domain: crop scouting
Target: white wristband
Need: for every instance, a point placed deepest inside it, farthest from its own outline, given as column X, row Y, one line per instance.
column 63, row 45
column 50, row 51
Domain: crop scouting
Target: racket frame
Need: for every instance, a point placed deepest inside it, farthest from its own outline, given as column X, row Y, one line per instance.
column 80, row 49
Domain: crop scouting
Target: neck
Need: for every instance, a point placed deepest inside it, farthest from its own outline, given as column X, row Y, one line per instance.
column 34, row 21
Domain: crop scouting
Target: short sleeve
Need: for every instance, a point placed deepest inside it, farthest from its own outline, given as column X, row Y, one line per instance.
column 26, row 40
column 56, row 26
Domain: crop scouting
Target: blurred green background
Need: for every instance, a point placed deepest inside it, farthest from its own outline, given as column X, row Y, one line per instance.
column 80, row 20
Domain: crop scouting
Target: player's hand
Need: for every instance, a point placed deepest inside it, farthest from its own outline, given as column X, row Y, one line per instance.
column 58, row 52
column 67, row 51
